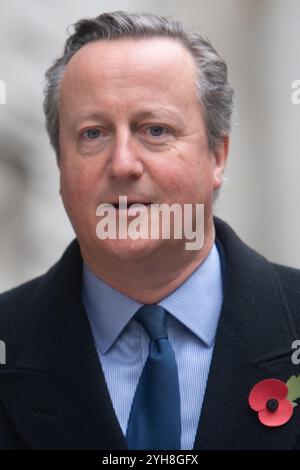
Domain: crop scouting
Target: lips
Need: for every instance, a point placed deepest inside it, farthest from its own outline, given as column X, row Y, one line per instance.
column 130, row 203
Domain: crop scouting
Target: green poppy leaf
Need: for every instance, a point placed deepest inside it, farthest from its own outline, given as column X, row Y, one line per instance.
column 293, row 385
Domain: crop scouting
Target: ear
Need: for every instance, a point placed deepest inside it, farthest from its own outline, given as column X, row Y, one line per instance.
column 219, row 159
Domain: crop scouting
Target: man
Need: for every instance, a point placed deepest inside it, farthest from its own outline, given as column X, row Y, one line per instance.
column 139, row 343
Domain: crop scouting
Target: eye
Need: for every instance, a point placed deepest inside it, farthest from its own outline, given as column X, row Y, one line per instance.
column 92, row 133
column 157, row 131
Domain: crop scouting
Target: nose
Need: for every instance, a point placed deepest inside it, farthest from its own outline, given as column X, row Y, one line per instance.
column 125, row 162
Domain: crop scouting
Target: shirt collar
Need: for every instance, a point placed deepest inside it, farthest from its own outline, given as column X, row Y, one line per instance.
column 196, row 303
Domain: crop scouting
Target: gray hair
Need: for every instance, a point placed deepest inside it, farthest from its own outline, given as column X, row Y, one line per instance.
column 214, row 93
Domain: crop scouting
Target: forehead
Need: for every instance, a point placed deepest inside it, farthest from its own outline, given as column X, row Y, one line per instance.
column 134, row 67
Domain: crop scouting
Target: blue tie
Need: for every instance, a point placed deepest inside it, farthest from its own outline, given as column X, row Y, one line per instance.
column 154, row 419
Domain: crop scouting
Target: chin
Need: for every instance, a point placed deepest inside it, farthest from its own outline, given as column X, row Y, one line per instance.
column 129, row 250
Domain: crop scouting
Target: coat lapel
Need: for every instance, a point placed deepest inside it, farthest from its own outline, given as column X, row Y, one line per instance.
column 253, row 342
column 56, row 394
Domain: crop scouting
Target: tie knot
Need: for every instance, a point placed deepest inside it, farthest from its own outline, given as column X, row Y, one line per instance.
column 153, row 319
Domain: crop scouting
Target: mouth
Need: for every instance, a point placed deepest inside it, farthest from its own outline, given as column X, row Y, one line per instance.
column 129, row 204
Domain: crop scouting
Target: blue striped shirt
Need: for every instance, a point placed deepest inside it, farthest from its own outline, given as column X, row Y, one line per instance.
column 122, row 344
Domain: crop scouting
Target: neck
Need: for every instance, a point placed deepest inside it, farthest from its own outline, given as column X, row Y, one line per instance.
column 151, row 279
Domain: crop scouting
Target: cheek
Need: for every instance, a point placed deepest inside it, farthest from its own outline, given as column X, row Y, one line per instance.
column 77, row 174
column 187, row 181
column 77, row 184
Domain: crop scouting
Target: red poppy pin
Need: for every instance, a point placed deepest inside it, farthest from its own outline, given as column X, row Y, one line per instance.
column 274, row 400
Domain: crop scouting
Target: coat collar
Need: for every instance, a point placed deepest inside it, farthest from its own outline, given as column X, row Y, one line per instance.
column 253, row 342
column 56, row 392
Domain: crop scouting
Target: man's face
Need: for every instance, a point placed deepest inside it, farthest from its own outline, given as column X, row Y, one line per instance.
column 131, row 125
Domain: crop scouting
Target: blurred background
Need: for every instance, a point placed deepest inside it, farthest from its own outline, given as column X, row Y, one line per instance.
column 259, row 39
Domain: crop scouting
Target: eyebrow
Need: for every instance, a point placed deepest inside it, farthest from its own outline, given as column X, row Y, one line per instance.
column 85, row 117
column 147, row 114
